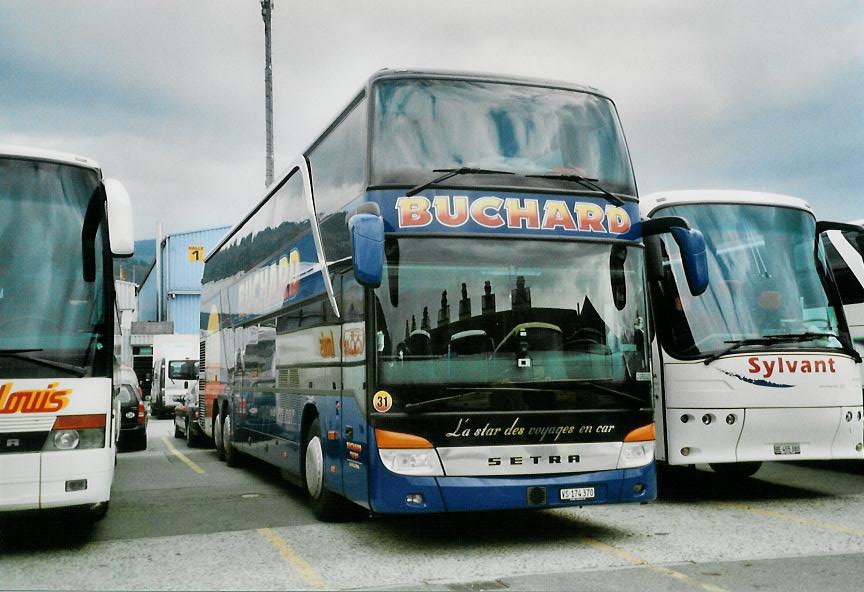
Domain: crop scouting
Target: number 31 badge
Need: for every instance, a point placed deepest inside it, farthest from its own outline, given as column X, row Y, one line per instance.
column 382, row 401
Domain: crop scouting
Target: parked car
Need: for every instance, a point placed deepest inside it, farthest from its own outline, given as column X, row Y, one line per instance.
column 126, row 375
column 186, row 418
column 133, row 419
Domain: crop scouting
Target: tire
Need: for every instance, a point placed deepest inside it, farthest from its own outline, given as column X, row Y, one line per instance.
column 217, row 437
column 740, row 470
column 232, row 455
column 326, row 505
column 191, row 436
column 140, row 442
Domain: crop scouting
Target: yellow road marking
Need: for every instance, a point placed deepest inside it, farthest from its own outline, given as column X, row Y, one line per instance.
column 793, row 518
column 636, row 560
column 186, row 460
column 300, row 565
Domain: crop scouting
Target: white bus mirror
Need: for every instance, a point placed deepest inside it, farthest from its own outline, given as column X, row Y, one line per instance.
column 119, row 211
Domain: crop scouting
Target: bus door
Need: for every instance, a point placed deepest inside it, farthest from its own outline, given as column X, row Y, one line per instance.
column 355, row 439
column 257, row 406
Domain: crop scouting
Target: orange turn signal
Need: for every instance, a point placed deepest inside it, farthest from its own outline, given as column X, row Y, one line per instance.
column 386, row 439
column 642, row 434
column 79, row 422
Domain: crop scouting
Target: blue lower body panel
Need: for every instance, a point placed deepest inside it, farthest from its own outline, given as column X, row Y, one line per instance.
column 389, row 491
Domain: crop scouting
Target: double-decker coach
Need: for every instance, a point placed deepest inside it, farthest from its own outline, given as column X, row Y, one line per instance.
column 439, row 305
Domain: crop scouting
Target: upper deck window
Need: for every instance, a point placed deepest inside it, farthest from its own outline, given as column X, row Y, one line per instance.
column 426, row 124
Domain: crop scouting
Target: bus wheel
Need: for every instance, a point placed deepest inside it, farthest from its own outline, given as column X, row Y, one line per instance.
column 232, row 455
column 140, row 442
column 191, row 437
column 325, row 504
column 739, row 470
column 217, row 438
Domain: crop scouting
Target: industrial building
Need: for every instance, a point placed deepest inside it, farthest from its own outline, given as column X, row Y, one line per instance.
column 171, row 290
column 169, row 299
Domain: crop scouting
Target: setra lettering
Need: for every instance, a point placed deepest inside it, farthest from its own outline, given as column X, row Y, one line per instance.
column 553, row 459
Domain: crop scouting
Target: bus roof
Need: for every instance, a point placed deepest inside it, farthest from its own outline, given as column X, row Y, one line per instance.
column 48, row 155
column 482, row 77
column 648, row 204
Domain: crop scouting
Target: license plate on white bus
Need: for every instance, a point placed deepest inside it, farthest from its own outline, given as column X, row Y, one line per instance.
column 790, row 448
column 577, row 494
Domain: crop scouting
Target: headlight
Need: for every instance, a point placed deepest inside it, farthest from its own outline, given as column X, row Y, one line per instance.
column 636, row 454
column 66, row 439
column 423, row 462
column 74, row 432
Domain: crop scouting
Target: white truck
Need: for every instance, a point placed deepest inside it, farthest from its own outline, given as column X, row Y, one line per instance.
column 175, row 371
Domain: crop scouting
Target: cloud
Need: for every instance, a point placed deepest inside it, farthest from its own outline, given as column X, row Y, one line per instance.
column 168, row 96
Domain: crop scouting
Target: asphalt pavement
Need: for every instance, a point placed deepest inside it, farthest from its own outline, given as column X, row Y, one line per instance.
column 181, row 519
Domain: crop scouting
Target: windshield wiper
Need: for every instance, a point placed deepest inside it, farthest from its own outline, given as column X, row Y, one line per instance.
column 17, row 354
column 767, row 340
column 453, row 173
column 616, row 392
column 585, row 182
column 411, row 407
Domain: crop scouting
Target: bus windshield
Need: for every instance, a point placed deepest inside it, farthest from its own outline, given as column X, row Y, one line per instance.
column 564, row 318
column 52, row 322
column 425, row 124
column 764, row 282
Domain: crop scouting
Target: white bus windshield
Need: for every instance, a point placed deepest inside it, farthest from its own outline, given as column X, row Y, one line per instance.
column 764, row 282
column 52, row 322
column 562, row 317
column 425, row 124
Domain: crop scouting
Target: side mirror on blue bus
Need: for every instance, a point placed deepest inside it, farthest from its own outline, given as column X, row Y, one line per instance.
column 693, row 252
column 367, row 248
column 690, row 241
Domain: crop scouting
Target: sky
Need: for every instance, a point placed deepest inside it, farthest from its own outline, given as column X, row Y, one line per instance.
column 169, row 96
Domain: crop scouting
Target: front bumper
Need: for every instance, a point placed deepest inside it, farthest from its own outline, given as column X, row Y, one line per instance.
column 37, row 480
column 389, row 491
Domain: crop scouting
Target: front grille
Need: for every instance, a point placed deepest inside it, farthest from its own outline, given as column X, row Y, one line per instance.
column 12, row 443
column 202, row 380
column 26, row 423
column 536, row 496
column 288, row 378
